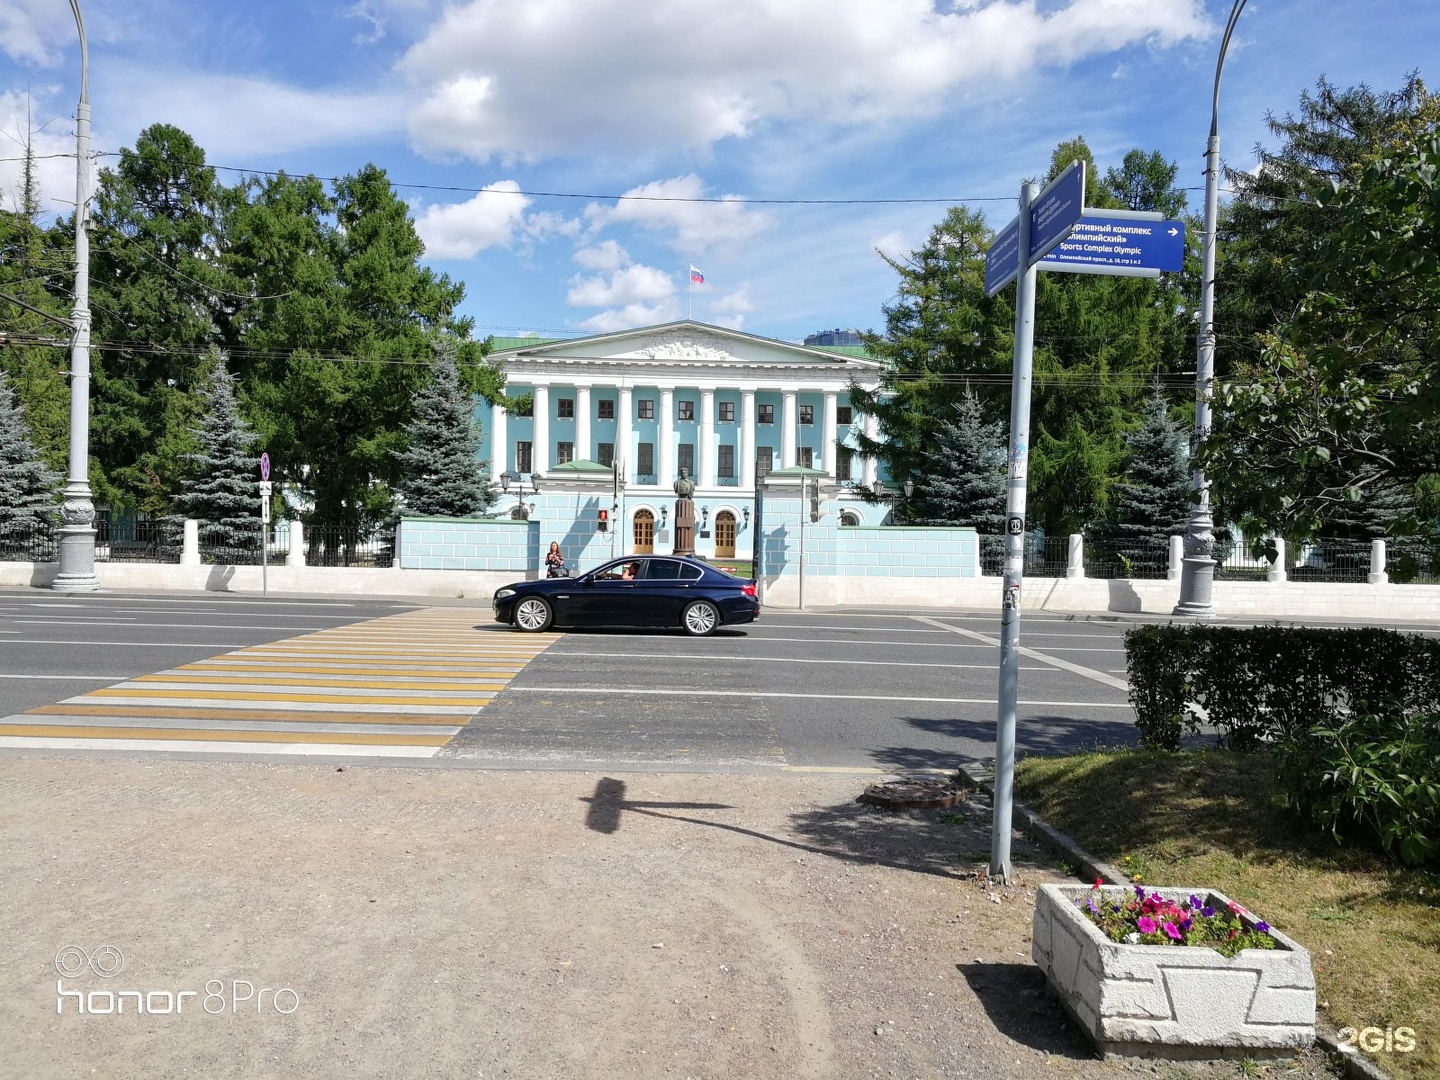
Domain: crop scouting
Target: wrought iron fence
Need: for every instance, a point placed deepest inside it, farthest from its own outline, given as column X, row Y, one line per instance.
column 1235, row 559
column 349, row 547
column 1332, row 560
column 1133, row 558
column 29, row 541
column 1045, row 556
column 132, row 540
column 222, row 545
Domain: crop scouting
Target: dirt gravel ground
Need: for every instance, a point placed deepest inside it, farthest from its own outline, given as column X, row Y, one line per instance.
column 428, row 923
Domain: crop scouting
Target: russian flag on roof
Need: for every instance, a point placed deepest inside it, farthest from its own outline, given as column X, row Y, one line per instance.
column 695, row 275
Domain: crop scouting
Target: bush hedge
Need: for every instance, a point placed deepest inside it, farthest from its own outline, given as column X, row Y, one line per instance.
column 1259, row 684
column 1373, row 775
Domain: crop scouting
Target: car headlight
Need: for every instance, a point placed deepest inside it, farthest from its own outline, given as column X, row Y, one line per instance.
column 504, row 593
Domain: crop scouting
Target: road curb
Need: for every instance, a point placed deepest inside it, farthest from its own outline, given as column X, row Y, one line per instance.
column 1037, row 828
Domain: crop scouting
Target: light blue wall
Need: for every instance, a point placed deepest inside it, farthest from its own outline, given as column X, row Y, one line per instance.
column 861, row 551
column 466, row 544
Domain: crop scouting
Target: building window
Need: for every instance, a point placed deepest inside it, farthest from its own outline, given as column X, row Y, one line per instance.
column 645, row 408
column 645, row 460
column 805, row 456
column 844, row 414
column 605, row 453
column 807, row 414
column 687, row 409
column 686, row 455
column 849, row 518
column 727, row 412
column 564, row 453
column 842, row 466
column 767, row 414
column 605, row 409
column 565, row 408
column 764, row 460
column 726, row 464
column 522, row 457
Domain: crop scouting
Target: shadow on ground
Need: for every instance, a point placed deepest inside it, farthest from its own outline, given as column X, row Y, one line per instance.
column 1017, row 1002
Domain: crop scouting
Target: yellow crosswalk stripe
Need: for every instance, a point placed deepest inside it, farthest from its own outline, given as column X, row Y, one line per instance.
column 400, row 685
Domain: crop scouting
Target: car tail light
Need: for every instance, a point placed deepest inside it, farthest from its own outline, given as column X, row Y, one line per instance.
column 748, row 589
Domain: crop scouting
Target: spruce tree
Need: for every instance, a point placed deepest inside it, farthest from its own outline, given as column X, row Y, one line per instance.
column 222, row 490
column 965, row 479
column 442, row 475
column 27, row 487
column 1151, row 500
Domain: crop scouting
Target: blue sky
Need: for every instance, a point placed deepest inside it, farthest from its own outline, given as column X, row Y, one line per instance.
column 745, row 100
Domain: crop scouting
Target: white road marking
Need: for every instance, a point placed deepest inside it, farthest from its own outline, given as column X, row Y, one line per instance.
column 551, row 658
column 76, row 678
column 137, row 644
column 1089, row 673
column 207, row 600
column 209, row 748
column 164, row 625
column 670, row 692
column 187, row 724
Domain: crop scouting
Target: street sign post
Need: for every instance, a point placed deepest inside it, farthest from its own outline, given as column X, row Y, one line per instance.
column 265, row 489
column 1052, row 215
column 1056, row 233
column 1120, row 243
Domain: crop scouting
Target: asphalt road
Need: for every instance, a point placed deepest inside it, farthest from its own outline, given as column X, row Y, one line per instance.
column 53, row 646
column 848, row 690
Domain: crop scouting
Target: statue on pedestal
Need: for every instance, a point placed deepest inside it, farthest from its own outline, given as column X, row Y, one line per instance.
column 684, row 515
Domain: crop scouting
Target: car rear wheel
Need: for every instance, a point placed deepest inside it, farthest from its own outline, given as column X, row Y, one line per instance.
column 533, row 614
column 700, row 618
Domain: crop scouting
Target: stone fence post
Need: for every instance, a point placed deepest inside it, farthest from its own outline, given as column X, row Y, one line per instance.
column 1177, row 557
column 1377, row 575
column 1277, row 571
column 190, row 548
column 1075, row 556
column 295, row 555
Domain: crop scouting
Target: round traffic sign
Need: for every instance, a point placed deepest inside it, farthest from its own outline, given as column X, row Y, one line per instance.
column 264, row 466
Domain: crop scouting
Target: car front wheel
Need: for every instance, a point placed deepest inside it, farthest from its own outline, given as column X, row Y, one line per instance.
column 700, row 618
column 533, row 614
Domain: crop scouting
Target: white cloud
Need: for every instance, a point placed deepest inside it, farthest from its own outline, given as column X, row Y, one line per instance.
column 630, row 316
column 53, row 146
column 530, row 79
column 730, row 310
column 697, row 227
column 35, row 31
column 238, row 117
column 604, row 256
column 630, row 284
column 892, row 245
column 463, row 230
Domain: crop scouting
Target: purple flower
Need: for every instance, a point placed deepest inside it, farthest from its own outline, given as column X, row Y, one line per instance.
column 1094, row 907
column 1208, row 911
column 1171, row 932
column 1263, row 926
column 1195, row 901
column 1139, row 892
column 1146, row 925
column 1186, row 923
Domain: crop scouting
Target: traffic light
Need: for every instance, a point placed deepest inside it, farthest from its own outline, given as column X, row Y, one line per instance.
column 814, row 500
column 603, row 523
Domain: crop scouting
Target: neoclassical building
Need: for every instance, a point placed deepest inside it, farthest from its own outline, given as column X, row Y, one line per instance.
column 645, row 403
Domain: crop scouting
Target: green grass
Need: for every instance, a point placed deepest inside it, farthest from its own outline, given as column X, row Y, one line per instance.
column 1212, row 818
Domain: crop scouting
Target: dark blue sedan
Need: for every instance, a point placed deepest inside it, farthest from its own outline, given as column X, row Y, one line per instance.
column 638, row 590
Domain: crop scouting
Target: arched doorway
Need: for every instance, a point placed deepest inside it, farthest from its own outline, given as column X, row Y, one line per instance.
column 644, row 533
column 724, row 535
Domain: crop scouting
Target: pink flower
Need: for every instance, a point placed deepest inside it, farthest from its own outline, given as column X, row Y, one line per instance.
column 1171, row 932
column 1146, row 925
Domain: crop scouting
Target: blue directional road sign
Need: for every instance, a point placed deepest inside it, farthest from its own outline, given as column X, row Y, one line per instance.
column 1120, row 245
column 1053, row 214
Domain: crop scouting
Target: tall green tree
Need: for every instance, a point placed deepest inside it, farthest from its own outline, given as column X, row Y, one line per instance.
column 1151, row 499
column 221, row 488
column 441, row 471
column 27, row 487
column 963, row 482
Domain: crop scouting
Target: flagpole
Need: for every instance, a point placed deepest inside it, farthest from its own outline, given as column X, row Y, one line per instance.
column 690, row 289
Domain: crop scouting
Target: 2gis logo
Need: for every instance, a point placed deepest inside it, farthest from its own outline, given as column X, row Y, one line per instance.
column 217, row 996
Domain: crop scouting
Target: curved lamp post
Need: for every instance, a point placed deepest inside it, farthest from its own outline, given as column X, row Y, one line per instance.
column 76, row 572
column 1197, row 573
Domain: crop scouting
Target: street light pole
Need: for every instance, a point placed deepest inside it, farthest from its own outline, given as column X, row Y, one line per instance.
column 1197, row 573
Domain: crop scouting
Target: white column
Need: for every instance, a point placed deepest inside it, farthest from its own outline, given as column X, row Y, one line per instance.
column 540, row 454
column 787, row 431
column 831, row 431
column 190, row 544
column 296, row 555
column 1177, row 558
column 582, row 423
column 1277, row 571
column 499, row 440
column 622, row 436
column 747, row 439
column 1378, row 575
column 706, row 448
column 871, row 463
column 665, row 469
column 1075, row 556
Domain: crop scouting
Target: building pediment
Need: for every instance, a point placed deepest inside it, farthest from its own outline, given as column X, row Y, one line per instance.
column 683, row 343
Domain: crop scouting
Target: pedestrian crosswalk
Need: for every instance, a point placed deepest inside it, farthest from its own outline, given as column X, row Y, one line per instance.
column 398, row 686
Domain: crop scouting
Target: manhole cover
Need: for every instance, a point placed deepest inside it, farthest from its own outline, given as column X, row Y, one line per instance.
column 914, row 793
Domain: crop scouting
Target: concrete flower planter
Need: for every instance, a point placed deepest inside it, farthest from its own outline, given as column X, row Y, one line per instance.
column 1173, row 1000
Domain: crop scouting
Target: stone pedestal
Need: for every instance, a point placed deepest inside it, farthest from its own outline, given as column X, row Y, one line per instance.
column 1173, row 1001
